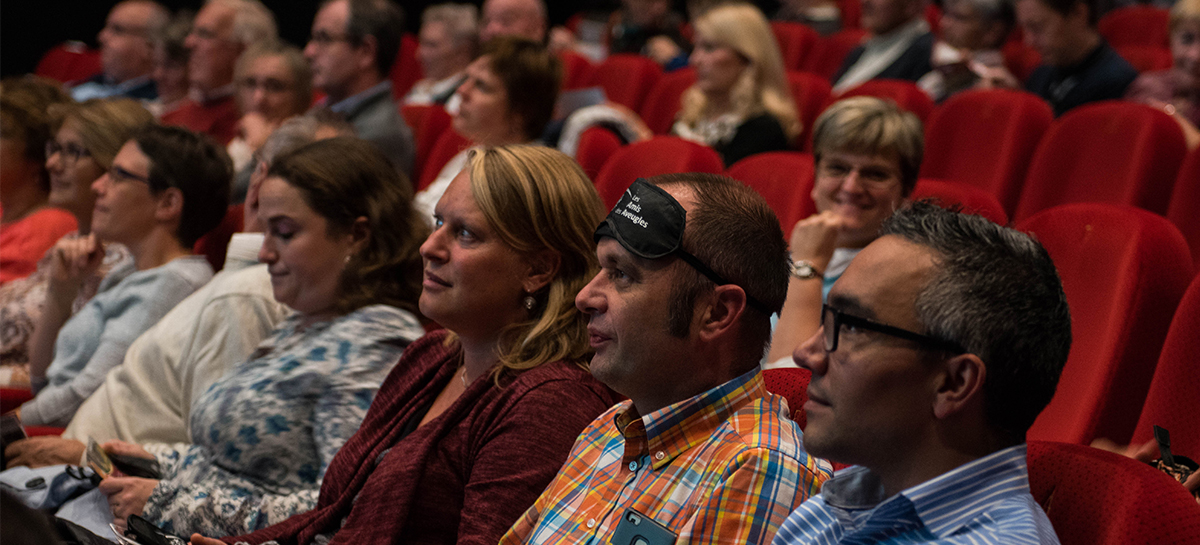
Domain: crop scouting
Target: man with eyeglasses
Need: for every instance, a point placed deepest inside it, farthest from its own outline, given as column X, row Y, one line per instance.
column 867, row 153
column 222, row 30
column 351, row 51
column 126, row 53
column 938, row 348
column 692, row 266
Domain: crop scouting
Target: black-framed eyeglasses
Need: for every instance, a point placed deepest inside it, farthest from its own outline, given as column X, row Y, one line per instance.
column 833, row 319
column 323, row 38
column 118, row 174
column 71, row 152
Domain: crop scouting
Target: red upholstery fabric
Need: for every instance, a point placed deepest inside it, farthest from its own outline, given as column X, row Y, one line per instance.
column 659, row 155
column 578, row 71
column 796, row 42
column 218, row 118
column 784, row 179
column 933, row 16
column 1185, row 204
column 406, row 69
column 596, row 145
column 1124, row 271
column 35, row 431
column 214, row 243
column 1093, row 497
column 851, row 13
column 831, row 50
column 428, row 122
column 1147, row 58
column 663, row 101
column 11, row 398
column 69, row 61
column 1136, row 25
column 1112, row 151
column 1020, row 59
column 627, row 78
column 986, row 139
column 1172, row 401
column 905, row 94
column 972, row 199
column 810, row 92
column 447, row 146
column 792, row 384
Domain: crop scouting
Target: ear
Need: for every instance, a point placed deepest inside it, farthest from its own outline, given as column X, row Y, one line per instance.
column 170, row 205
column 368, row 47
column 543, row 267
column 723, row 310
column 962, row 385
column 360, row 234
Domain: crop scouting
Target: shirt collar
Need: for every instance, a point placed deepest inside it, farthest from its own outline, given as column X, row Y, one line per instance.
column 352, row 102
column 673, row 430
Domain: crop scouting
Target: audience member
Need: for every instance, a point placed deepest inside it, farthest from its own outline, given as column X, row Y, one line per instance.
column 166, row 188
column 521, row 18
column 740, row 104
column 222, row 30
column 867, row 154
column 1078, row 66
column 1177, row 90
column 171, row 66
column 900, row 46
column 352, row 47
column 507, row 98
column 449, row 38
column 475, row 419
column 126, row 52
column 651, row 28
column 87, row 137
column 148, row 398
column 933, row 407
column 28, row 224
column 823, row 16
column 692, row 267
column 342, row 249
column 968, row 53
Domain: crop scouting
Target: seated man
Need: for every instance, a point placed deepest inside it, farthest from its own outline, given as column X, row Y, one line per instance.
column 899, row 48
column 700, row 448
column 972, row 35
column 940, row 345
column 1078, row 66
column 449, row 41
column 523, row 18
column 126, row 52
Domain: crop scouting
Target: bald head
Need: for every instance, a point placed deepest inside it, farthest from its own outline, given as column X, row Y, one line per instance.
column 524, row 18
column 126, row 41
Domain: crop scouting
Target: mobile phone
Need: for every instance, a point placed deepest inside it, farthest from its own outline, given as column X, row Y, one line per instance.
column 638, row 529
column 145, row 533
column 135, row 466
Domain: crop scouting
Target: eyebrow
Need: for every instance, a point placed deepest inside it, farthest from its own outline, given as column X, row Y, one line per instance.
column 850, row 304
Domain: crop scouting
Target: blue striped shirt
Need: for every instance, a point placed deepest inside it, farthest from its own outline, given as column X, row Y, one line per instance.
column 985, row 501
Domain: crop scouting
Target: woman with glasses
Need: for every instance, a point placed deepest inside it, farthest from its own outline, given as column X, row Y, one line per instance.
column 84, row 139
column 164, row 188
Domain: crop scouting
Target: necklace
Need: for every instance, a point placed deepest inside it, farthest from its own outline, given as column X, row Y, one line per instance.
column 463, row 376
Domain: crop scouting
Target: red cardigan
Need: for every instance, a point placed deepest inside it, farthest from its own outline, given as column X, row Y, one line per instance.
column 467, row 475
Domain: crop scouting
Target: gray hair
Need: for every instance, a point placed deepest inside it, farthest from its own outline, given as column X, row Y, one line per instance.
column 997, row 294
column 252, row 21
column 297, row 65
column 299, row 131
column 461, row 20
column 872, row 126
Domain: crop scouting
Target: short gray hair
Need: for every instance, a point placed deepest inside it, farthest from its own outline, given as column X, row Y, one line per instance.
column 299, row 131
column 252, row 21
column 461, row 20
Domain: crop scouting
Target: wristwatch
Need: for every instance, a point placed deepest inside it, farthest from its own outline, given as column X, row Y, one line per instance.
column 804, row 269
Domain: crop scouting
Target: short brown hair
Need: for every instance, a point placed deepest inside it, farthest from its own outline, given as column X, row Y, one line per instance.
column 531, row 76
column 23, row 105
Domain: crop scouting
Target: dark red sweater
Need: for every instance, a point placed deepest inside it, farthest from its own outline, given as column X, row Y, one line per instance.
column 465, row 476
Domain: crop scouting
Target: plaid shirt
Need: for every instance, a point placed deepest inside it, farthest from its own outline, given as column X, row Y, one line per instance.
column 725, row 466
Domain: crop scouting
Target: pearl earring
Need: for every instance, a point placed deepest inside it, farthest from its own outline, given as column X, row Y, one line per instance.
column 529, row 301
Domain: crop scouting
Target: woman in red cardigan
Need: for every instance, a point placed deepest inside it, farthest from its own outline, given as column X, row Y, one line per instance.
column 476, row 419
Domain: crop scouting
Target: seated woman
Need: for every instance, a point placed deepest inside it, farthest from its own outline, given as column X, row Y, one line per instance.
column 449, row 37
column 507, row 98
column 867, row 154
column 85, row 139
column 166, row 188
column 342, row 249
column 740, row 104
column 28, row 225
column 1177, row 90
column 475, row 420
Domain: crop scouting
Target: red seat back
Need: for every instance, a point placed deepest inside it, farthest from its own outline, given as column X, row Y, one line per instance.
column 831, row 50
column 970, row 198
column 784, row 179
column 1184, row 211
column 905, row 94
column 986, row 139
column 1172, row 401
column 1020, row 59
column 851, row 13
column 406, row 69
column 1147, row 58
column 810, row 92
column 447, row 146
column 1093, row 497
column 1136, row 25
column 69, row 61
column 428, row 122
column 792, row 384
column 627, row 78
column 1124, row 271
column 578, row 71
column 1111, row 151
column 659, row 155
column 215, row 243
column 663, row 101
column 596, row 145
column 796, row 42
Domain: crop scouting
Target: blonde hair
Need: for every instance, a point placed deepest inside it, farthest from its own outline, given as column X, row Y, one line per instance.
column 1184, row 10
column 763, row 86
column 104, row 125
column 536, row 199
column 872, row 126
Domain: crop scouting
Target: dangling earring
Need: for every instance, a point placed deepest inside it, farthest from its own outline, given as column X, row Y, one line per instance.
column 529, row 301
column 347, row 258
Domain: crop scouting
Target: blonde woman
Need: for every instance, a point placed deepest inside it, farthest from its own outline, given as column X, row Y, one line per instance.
column 476, row 419
column 740, row 104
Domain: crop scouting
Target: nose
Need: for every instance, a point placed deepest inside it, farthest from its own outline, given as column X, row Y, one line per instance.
column 310, row 50
column 54, row 162
column 266, row 253
column 99, row 185
column 811, row 354
column 257, row 98
column 852, row 182
column 433, row 249
column 590, row 300
column 189, row 42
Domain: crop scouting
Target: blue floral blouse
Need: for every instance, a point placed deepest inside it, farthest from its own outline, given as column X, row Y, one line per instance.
column 265, row 432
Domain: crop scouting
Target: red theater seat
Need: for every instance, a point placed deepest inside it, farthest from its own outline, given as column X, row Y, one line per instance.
column 792, row 384
column 1136, row 25
column 627, row 78
column 1172, row 401
column 659, row 155
column 596, row 146
column 447, row 146
column 663, row 101
column 905, row 94
column 796, row 42
column 831, row 50
column 428, row 122
column 214, row 243
column 406, row 69
column 1147, row 58
column 69, row 61
column 578, row 71
column 1184, row 211
column 810, row 92
column 784, row 179
column 970, row 198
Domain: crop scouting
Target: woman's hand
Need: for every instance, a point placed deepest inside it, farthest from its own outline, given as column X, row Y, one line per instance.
column 814, row 239
column 44, row 451
column 256, row 128
column 127, row 496
column 72, row 261
column 198, row 539
column 126, row 449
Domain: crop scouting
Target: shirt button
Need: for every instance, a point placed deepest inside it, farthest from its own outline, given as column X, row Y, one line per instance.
column 632, row 466
column 591, row 523
column 659, row 455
